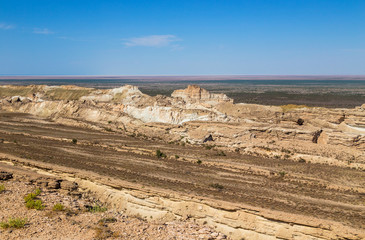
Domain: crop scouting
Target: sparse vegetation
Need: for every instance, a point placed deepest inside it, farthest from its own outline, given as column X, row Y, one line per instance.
column 177, row 156
column 221, row 153
column 217, row 186
column 282, row 174
column 30, row 201
column 96, row 208
column 74, row 141
column 301, row 160
column 14, row 223
column 2, row 188
column 199, row 161
column 58, row 207
column 160, row 154
column 35, row 204
column 33, row 195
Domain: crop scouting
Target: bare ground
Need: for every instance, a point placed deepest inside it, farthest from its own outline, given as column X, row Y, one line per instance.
column 316, row 190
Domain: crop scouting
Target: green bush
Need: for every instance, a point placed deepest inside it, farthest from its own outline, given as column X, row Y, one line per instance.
column 160, row 154
column 74, row 141
column 34, row 204
column 97, row 208
column 14, row 223
column 2, row 188
column 32, row 196
column 199, row 161
column 58, row 207
column 31, row 203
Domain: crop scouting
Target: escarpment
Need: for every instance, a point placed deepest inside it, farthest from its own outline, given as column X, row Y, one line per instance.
column 191, row 114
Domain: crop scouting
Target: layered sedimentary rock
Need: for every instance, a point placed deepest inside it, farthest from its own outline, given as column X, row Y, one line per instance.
column 196, row 93
column 196, row 117
column 192, row 114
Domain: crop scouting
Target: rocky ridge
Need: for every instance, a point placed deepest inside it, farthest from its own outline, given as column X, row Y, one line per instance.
column 192, row 114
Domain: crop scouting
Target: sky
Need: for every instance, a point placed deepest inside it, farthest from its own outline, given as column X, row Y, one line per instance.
column 182, row 37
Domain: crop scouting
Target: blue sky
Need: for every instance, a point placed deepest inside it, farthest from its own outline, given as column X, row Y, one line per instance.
column 182, row 37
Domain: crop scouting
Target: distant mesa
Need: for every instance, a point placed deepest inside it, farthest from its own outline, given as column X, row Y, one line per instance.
column 196, row 93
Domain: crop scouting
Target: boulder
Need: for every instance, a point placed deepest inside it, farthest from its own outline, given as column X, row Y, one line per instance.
column 54, row 184
column 322, row 139
column 208, row 139
column 69, row 186
column 5, row 175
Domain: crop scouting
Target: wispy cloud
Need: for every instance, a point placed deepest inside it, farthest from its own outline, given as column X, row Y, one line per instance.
column 44, row 31
column 152, row 41
column 5, row 26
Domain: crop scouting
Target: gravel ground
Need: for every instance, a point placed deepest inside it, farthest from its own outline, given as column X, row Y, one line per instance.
column 75, row 221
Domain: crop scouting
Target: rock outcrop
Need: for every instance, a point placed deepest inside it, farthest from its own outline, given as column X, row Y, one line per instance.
column 195, row 93
column 193, row 113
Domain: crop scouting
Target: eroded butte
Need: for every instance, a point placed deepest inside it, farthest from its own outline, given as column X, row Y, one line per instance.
column 251, row 171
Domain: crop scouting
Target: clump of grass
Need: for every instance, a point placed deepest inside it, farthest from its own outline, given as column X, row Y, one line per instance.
column 177, row 156
column 199, row 161
column 74, row 140
column 35, row 204
column 14, row 223
column 282, row 174
column 217, row 186
column 97, row 208
column 301, row 160
column 30, row 201
column 58, row 207
column 33, row 195
column 221, row 153
column 160, row 154
column 2, row 188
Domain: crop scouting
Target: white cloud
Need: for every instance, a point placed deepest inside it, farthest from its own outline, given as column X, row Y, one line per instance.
column 44, row 31
column 5, row 26
column 151, row 41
